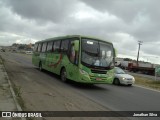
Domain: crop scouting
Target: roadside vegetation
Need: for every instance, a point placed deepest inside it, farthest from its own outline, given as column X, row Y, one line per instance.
column 1, row 61
column 18, row 92
column 146, row 82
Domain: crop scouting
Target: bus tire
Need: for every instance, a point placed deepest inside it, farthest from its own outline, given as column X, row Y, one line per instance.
column 40, row 66
column 63, row 75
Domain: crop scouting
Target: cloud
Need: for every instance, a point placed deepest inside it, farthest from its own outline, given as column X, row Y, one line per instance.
column 123, row 22
column 50, row 10
column 139, row 19
column 142, row 16
column 125, row 9
column 8, row 39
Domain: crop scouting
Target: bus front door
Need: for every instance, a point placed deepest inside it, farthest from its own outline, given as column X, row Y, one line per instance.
column 73, row 57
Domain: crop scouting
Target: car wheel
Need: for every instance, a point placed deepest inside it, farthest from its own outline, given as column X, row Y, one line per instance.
column 63, row 75
column 116, row 81
column 129, row 84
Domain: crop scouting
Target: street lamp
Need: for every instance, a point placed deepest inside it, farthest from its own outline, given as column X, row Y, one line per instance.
column 139, row 43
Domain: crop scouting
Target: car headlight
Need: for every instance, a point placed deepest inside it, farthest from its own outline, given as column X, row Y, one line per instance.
column 123, row 78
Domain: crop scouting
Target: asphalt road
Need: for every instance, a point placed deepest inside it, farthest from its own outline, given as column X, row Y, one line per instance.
column 116, row 98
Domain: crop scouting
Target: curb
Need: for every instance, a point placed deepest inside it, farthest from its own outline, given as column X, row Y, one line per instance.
column 12, row 91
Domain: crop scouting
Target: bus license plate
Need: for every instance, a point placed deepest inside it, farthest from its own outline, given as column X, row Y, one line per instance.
column 98, row 79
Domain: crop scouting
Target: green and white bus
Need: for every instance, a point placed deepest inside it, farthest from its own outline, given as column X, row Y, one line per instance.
column 75, row 57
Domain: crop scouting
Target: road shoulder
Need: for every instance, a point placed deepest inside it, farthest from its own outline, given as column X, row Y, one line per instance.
column 8, row 100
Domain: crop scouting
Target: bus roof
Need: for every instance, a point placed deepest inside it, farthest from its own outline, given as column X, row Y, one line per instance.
column 70, row 36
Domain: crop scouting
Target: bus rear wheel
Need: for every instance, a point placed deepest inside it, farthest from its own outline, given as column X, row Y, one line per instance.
column 40, row 66
column 63, row 75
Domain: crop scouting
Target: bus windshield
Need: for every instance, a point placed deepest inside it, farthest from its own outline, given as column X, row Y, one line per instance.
column 96, row 53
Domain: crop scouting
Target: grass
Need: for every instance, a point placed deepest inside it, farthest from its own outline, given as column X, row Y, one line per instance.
column 2, row 87
column 146, row 82
column 1, row 61
column 3, row 70
column 18, row 92
column 17, row 89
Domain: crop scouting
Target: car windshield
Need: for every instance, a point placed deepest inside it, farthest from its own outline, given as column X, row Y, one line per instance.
column 119, row 71
column 97, row 53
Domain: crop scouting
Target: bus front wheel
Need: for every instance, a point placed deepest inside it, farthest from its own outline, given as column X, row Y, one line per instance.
column 116, row 81
column 63, row 75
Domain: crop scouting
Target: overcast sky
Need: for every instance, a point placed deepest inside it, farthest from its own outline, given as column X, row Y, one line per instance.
column 123, row 22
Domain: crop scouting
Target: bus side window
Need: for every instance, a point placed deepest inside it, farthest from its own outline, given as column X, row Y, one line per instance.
column 64, row 46
column 56, row 46
column 74, row 51
column 39, row 47
column 35, row 47
column 49, row 46
column 52, row 47
column 44, row 46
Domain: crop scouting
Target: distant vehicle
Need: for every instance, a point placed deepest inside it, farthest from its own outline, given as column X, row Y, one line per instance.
column 122, row 78
column 29, row 52
column 78, row 58
column 149, row 70
column 142, row 67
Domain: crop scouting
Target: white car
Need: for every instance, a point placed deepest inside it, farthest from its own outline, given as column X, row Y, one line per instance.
column 122, row 78
column 29, row 52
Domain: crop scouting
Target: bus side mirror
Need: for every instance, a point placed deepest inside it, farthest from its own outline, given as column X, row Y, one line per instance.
column 115, row 52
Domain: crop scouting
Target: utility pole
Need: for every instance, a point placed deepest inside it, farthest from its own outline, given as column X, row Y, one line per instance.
column 139, row 43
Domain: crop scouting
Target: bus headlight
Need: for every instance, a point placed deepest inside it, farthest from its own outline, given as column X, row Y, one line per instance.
column 83, row 72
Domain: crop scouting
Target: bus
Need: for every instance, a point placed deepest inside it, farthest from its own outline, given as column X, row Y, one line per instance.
column 79, row 58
